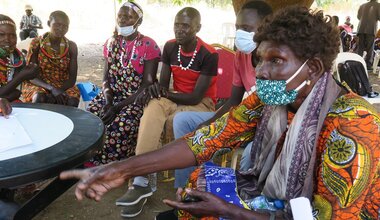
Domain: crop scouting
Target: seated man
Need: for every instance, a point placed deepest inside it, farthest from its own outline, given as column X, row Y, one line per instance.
column 244, row 77
column 29, row 24
column 193, row 64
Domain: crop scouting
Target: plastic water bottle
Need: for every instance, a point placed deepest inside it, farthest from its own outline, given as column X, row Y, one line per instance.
column 153, row 181
column 263, row 203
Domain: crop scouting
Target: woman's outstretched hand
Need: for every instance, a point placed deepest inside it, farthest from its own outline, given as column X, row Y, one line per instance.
column 96, row 181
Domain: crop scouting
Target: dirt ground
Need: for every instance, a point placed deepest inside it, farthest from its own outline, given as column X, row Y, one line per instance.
column 67, row 207
column 90, row 63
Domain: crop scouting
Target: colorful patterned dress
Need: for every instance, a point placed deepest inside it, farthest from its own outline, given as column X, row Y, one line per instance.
column 347, row 183
column 125, row 74
column 10, row 65
column 54, row 67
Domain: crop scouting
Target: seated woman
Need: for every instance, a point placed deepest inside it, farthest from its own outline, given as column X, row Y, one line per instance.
column 12, row 73
column 311, row 137
column 57, row 58
column 130, row 66
column 12, row 63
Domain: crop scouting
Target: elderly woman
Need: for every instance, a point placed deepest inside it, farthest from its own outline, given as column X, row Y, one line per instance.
column 131, row 65
column 57, row 57
column 311, row 137
column 12, row 63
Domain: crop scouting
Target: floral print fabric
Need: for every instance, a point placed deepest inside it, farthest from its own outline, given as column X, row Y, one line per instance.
column 347, row 183
column 54, row 67
column 125, row 79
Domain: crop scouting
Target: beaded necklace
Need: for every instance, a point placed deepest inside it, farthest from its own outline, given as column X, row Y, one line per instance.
column 10, row 60
column 11, row 65
column 124, row 53
column 47, row 49
column 191, row 61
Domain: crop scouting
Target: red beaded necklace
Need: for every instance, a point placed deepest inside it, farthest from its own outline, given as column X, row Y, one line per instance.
column 9, row 63
column 45, row 40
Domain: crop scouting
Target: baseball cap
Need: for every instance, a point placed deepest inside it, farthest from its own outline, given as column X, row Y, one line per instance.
column 28, row 7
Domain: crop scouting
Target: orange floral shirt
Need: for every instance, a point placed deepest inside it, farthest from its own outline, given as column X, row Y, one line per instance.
column 347, row 183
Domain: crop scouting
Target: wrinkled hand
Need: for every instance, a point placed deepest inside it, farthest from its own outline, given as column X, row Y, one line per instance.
column 30, row 71
column 210, row 205
column 5, row 107
column 109, row 115
column 60, row 95
column 143, row 97
column 154, row 90
column 96, row 181
column 105, row 109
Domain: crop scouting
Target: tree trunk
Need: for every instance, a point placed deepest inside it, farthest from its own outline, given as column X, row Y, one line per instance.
column 276, row 4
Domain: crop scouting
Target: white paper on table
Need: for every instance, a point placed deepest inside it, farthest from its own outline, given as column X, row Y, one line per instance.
column 12, row 133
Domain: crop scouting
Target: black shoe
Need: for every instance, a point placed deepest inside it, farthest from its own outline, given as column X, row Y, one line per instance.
column 167, row 215
column 373, row 94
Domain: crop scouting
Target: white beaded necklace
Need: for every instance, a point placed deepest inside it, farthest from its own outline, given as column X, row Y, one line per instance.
column 129, row 64
column 191, row 61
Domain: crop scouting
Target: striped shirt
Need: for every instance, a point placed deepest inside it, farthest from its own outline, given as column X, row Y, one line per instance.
column 27, row 20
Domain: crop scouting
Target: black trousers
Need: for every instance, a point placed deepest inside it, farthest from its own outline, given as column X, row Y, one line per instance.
column 366, row 43
column 31, row 33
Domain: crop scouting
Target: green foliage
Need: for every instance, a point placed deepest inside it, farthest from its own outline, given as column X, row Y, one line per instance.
column 324, row 3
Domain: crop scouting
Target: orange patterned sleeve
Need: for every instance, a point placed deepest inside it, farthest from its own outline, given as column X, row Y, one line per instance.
column 347, row 181
column 234, row 129
column 34, row 44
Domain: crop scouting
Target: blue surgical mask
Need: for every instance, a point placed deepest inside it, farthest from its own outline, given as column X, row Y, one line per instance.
column 244, row 41
column 127, row 30
column 273, row 92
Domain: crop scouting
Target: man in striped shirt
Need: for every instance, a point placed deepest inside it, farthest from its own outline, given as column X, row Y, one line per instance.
column 29, row 24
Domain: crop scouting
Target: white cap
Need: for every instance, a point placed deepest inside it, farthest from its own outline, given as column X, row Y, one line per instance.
column 28, row 7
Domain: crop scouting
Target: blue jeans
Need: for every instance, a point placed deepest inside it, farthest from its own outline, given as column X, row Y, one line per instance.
column 183, row 123
column 245, row 161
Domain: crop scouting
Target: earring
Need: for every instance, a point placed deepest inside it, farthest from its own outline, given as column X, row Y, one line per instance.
column 308, row 82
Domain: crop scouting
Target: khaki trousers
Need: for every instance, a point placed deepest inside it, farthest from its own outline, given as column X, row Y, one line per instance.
column 158, row 118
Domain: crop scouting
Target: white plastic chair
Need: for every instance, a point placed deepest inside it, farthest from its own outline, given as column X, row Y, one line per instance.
column 228, row 33
column 343, row 57
column 376, row 62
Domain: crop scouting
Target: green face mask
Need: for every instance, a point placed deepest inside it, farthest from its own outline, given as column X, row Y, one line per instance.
column 273, row 92
column 4, row 52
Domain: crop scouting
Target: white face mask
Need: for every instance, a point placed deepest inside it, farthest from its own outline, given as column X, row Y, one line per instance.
column 244, row 41
column 127, row 30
